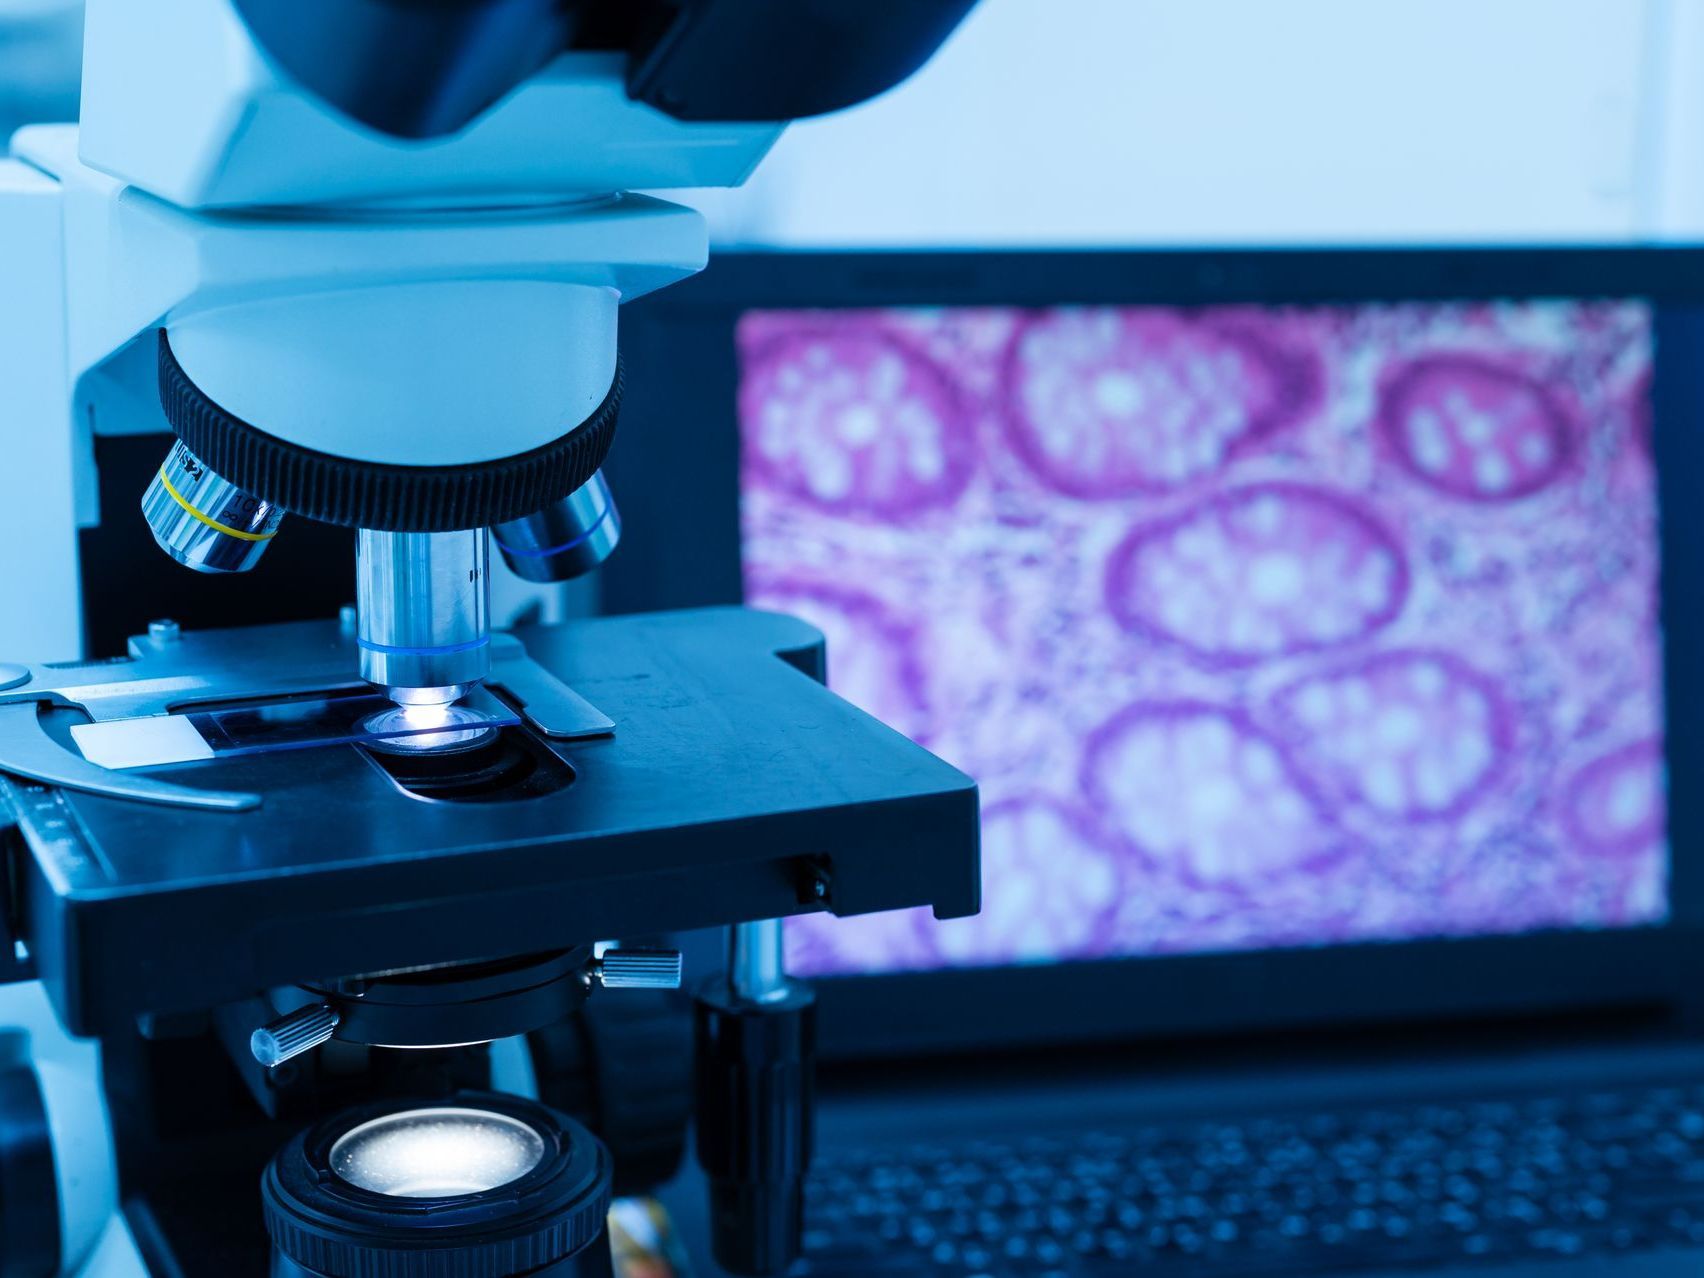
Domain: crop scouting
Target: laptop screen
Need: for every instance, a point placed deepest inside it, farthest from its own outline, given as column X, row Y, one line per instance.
column 1258, row 627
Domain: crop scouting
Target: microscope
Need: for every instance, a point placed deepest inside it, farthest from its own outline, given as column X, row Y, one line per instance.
column 327, row 923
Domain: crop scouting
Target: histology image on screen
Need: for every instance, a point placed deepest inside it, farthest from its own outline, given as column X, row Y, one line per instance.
column 1258, row 627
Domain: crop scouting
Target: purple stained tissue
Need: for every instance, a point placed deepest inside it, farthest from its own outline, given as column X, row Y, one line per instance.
column 1106, row 403
column 1258, row 572
column 855, row 421
column 1257, row 627
column 1475, row 428
column 1410, row 734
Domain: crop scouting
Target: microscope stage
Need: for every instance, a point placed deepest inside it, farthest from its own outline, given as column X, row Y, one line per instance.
column 735, row 787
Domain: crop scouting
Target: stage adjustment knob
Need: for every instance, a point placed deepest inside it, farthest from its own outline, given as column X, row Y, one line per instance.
column 638, row 970
column 289, row 1036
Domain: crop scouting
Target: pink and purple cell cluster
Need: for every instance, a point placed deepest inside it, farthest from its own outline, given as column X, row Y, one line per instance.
column 1258, row 627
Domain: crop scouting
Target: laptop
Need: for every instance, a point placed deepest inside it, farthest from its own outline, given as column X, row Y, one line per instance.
column 1319, row 628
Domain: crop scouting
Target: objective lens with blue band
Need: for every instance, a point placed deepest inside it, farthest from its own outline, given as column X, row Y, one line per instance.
column 565, row 546
column 566, row 539
column 423, row 604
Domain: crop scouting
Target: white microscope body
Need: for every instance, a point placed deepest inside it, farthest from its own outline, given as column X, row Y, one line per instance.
column 437, row 303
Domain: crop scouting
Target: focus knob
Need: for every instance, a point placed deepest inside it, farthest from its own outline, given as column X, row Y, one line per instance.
column 623, row 1066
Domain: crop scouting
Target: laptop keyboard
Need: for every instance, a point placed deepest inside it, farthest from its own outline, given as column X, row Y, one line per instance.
column 1563, row 1176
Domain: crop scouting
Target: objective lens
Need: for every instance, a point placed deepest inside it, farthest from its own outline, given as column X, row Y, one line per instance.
column 566, row 539
column 204, row 521
column 424, row 624
column 437, row 1153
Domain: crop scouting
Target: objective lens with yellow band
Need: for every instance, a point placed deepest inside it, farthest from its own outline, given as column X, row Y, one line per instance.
column 204, row 521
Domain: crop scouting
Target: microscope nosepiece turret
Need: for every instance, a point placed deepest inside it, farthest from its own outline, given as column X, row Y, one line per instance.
column 423, row 500
column 203, row 520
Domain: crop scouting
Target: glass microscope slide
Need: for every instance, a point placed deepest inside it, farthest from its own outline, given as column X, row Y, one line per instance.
column 291, row 724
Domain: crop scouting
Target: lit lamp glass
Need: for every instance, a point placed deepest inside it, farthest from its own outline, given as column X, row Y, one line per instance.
column 437, row 1153
column 481, row 1185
